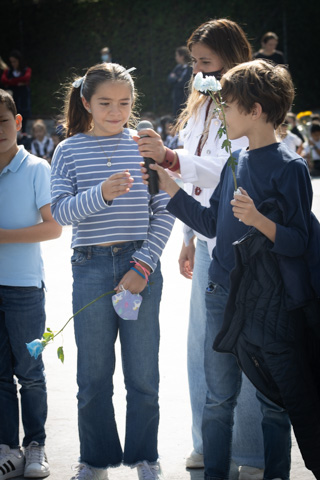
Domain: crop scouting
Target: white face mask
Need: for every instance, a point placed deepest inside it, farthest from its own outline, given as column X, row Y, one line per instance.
column 105, row 57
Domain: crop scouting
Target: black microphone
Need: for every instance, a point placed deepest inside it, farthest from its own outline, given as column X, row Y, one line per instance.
column 153, row 186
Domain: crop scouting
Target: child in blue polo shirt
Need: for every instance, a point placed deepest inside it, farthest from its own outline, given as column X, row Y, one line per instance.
column 25, row 221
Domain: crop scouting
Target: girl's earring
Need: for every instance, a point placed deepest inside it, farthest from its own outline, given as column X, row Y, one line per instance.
column 89, row 110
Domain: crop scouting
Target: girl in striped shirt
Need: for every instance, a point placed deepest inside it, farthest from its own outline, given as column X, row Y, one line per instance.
column 118, row 234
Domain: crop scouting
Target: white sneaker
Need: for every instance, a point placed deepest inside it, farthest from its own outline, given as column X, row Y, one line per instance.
column 195, row 460
column 11, row 462
column 37, row 465
column 84, row 472
column 250, row 473
column 149, row 471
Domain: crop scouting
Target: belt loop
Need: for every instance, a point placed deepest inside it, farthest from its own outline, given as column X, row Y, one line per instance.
column 89, row 253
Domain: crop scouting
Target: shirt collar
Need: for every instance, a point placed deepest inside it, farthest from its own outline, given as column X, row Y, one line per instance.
column 17, row 160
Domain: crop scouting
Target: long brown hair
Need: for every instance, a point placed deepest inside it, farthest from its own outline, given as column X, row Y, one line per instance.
column 76, row 118
column 227, row 39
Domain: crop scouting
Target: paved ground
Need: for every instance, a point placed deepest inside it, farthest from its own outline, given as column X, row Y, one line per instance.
column 174, row 435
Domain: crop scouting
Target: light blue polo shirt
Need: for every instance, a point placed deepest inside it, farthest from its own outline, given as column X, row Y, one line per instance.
column 24, row 189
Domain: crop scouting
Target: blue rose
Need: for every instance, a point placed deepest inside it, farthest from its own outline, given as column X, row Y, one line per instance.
column 35, row 348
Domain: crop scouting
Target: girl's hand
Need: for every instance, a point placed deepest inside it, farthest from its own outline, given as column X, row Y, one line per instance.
column 116, row 185
column 244, row 208
column 150, row 146
column 132, row 281
column 165, row 181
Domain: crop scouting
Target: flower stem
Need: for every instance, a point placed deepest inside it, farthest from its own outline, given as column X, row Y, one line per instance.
column 226, row 132
column 81, row 309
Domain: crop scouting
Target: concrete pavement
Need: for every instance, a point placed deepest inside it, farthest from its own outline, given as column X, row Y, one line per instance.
column 175, row 416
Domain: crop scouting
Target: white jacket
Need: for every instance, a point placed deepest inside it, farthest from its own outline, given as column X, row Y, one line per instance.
column 203, row 171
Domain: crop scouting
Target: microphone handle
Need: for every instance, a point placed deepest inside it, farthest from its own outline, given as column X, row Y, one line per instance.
column 153, row 186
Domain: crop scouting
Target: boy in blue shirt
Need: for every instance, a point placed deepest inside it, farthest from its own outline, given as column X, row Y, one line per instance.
column 258, row 96
column 25, row 221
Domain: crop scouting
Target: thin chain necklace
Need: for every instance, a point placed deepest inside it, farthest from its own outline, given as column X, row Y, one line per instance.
column 109, row 157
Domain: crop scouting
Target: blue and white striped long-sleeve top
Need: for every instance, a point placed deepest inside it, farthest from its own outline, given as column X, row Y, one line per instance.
column 79, row 167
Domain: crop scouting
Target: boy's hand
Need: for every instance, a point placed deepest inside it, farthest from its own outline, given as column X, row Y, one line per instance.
column 165, row 181
column 244, row 208
column 116, row 185
column 150, row 146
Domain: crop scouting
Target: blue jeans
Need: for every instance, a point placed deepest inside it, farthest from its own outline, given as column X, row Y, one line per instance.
column 224, row 387
column 97, row 270
column 247, row 442
column 22, row 319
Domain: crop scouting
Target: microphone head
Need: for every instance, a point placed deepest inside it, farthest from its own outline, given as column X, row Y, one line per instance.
column 144, row 124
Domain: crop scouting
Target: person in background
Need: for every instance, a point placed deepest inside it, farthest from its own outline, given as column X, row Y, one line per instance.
column 105, row 55
column 200, row 163
column 25, row 221
column 311, row 149
column 42, row 145
column 179, row 80
column 292, row 119
column 169, row 137
column 17, row 78
column 292, row 141
column 3, row 67
column 268, row 50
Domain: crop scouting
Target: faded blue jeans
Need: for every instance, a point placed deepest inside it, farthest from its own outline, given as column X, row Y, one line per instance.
column 247, row 445
column 97, row 270
column 22, row 319
column 223, row 390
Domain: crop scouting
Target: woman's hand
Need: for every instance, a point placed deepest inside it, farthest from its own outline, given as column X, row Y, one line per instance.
column 166, row 183
column 116, row 185
column 150, row 146
column 186, row 259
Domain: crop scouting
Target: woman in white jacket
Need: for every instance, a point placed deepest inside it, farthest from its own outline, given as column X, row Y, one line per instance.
column 215, row 46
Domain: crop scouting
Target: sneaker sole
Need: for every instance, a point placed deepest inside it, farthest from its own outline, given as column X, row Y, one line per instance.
column 14, row 473
column 36, row 474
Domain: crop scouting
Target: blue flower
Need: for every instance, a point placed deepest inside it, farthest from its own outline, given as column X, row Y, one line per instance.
column 35, row 348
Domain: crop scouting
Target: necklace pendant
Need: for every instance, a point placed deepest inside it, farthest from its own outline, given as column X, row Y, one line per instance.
column 108, row 163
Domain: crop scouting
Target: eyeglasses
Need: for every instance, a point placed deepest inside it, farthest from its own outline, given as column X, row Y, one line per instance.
column 284, row 124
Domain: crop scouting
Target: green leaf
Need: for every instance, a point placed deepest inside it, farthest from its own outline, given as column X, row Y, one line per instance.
column 226, row 144
column 49, row 329
column 60, row 354
column 48, row 336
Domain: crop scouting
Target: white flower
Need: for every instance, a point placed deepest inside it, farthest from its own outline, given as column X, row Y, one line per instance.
column 198, row 81
column 206, row 84
column 211, row 84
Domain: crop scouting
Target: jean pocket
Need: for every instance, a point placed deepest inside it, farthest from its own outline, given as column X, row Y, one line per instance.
column 211, row 288
column 78, row 258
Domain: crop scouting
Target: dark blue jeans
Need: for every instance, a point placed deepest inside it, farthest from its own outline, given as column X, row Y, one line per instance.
column 218, row 415
column 97, row 270
column 22, row 319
